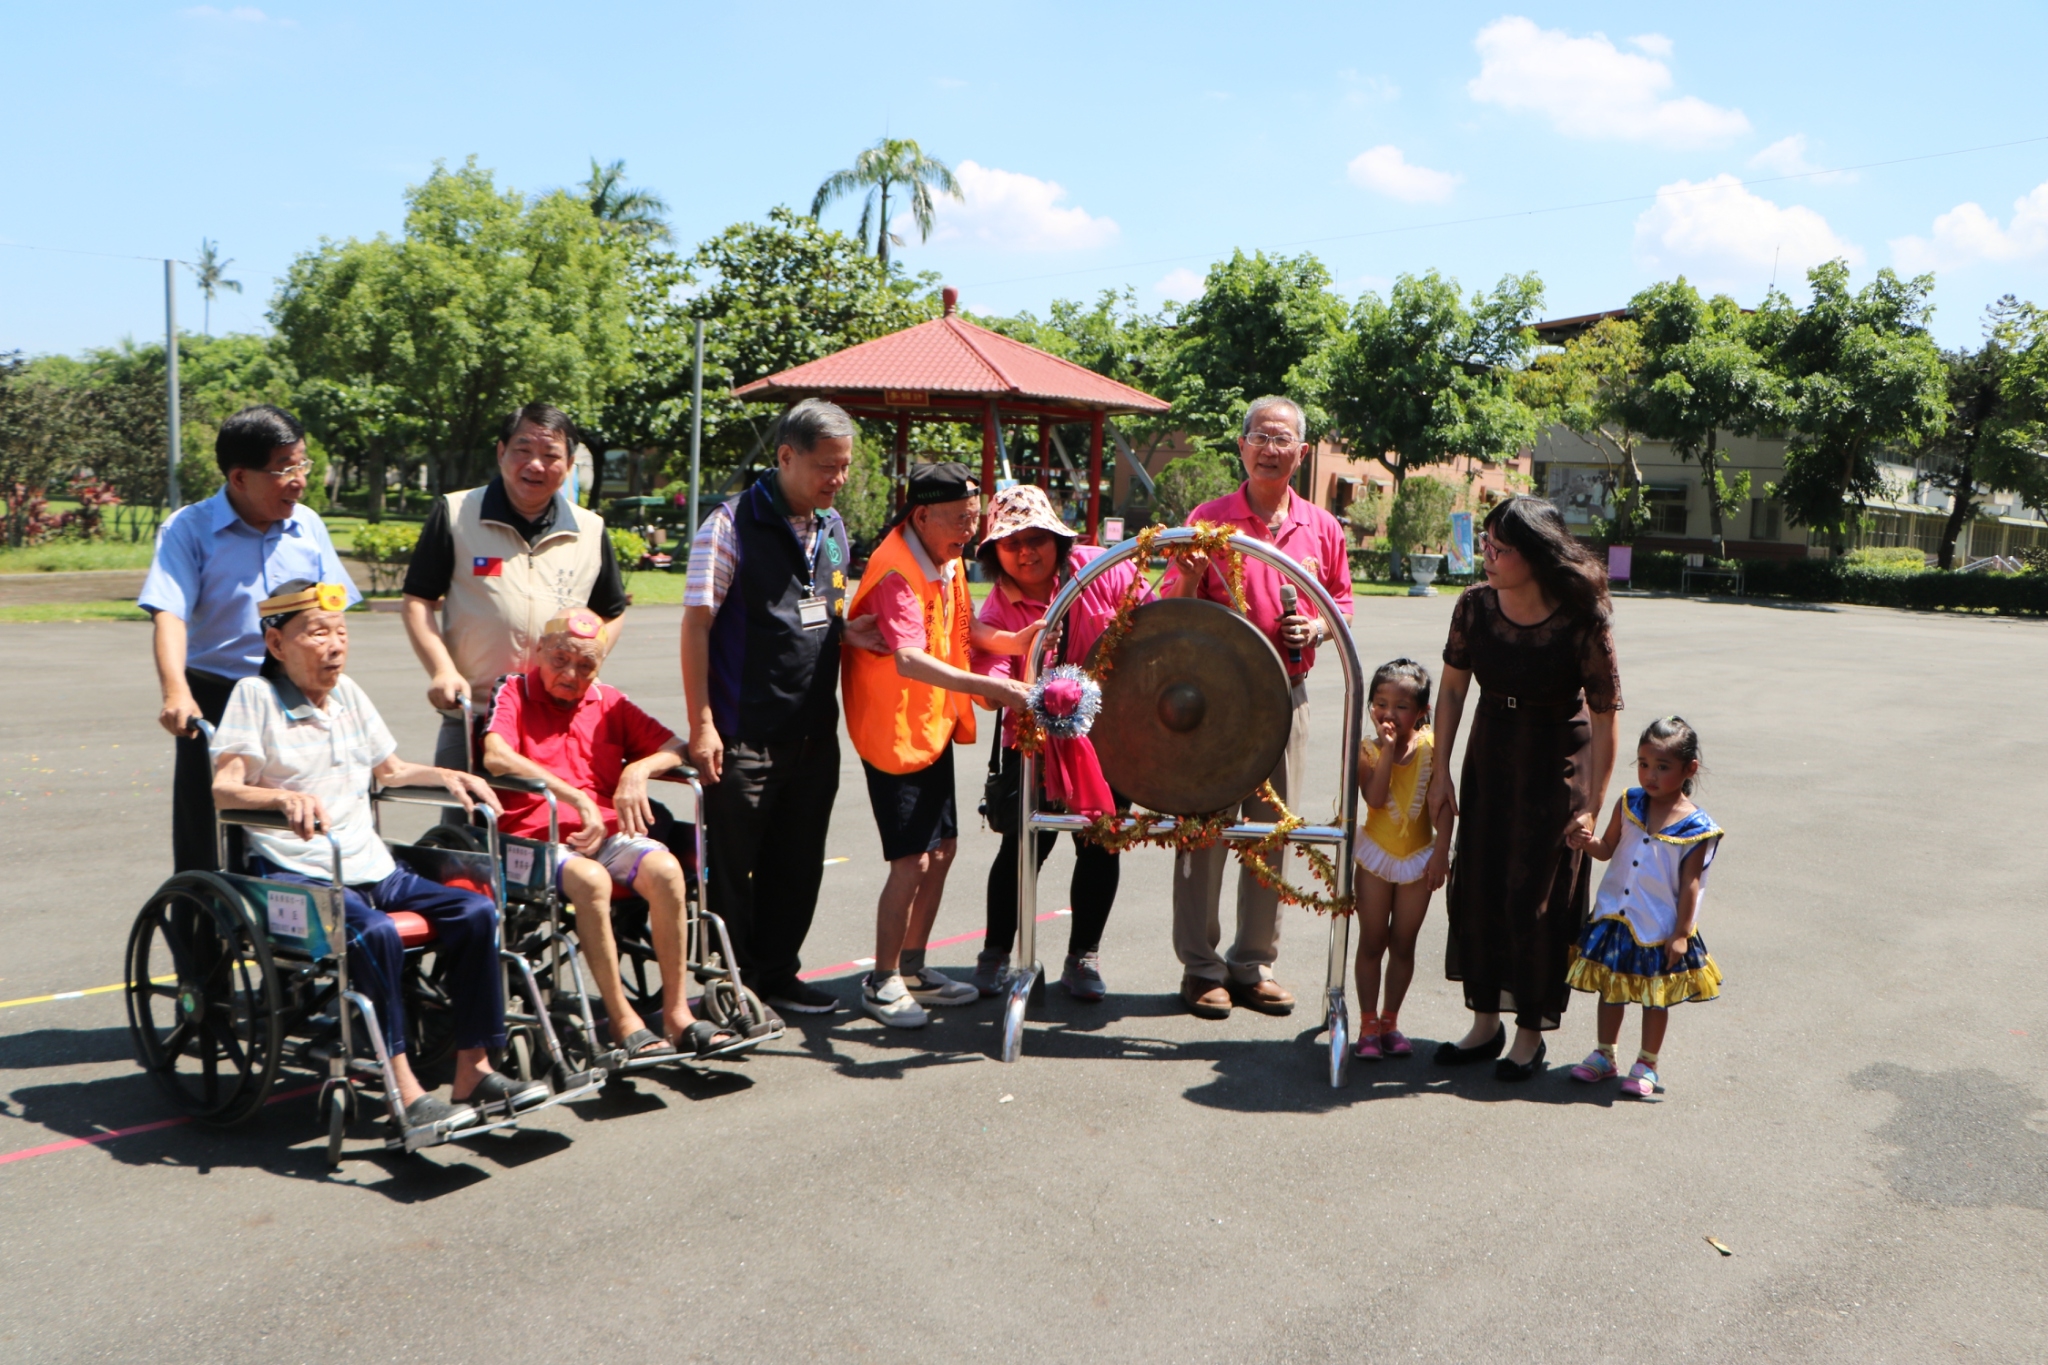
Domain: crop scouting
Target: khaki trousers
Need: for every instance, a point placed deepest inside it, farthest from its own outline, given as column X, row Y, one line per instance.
column 1198, row 885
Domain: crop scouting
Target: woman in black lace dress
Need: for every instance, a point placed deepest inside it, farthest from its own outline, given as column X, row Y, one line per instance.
column 1536, row 636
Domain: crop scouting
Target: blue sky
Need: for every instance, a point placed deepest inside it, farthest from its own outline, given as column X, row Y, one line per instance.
column 1101, row 145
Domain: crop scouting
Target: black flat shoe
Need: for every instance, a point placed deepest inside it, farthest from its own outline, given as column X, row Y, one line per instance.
column 1505, row 1070
column 1450, row 1054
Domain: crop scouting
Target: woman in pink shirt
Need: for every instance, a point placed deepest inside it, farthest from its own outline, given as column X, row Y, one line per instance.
column 1030, row 554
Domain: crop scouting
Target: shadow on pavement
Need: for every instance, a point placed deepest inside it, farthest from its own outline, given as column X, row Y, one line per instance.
column 46, row 1047
column 1280, row 1074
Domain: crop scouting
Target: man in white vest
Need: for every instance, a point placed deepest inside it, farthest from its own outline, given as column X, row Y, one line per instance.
column 500, row 562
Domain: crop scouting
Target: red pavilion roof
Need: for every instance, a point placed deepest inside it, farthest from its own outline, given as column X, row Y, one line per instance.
column 951, row 358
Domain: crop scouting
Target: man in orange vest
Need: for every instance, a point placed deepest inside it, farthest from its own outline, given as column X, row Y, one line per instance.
column 904, row 709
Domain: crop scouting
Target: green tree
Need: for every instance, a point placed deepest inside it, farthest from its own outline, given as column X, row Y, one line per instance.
column 889, row 164
column 1700, row 376
column 775, row 295
column 640, row 214
column 1861, row 377
column 1589, row 388
column 1260, row 326
column 864, row 501
column 211, row 271
column 1190, row 481
column 1426, row 375
column 1996, row 437
column 425, row 343
column 1420, row 519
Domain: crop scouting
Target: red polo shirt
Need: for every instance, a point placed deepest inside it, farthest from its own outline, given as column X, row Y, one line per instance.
column 587, row 745
column 1308, row 535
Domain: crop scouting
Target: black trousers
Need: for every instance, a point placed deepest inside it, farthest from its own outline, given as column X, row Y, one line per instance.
column 1090, row 894
column 764, row 834
column 193, row 847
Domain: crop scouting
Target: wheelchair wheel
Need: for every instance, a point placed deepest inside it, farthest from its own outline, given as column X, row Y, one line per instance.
column 459, row 838
column 338, row 1104
column 734, row 1007
column 519, row 1052
column 210, row 1032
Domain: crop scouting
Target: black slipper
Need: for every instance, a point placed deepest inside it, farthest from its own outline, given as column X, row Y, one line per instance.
column 1508, row 1070
column 644, row 1044
column 702, row 1035
column 500, row 1093
column 1450, row 1054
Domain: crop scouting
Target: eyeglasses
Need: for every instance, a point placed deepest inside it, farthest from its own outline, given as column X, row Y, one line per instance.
column 1259, row 440
column 1494, row 549
column 290, row 471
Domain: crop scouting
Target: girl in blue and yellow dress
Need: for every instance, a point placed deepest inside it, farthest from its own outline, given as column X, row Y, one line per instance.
column 1402, row 857
column 1643, row 945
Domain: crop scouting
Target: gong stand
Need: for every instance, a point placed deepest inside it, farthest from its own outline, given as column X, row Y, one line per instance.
column 1027, row 983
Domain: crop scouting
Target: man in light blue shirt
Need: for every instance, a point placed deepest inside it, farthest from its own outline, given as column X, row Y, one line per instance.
column 215, row 560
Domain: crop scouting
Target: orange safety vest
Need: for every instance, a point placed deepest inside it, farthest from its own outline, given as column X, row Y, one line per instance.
column 897, row 724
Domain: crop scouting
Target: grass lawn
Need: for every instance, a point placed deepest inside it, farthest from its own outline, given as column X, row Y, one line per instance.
column 70, row 556
column 72, row 611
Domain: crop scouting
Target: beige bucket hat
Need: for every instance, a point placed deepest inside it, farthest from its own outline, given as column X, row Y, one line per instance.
column 1023, row 508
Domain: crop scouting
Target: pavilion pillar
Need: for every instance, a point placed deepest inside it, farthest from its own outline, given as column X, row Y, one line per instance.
column 902, row 480
column 990, row 429
column 1095, row 481
column 1044, row 452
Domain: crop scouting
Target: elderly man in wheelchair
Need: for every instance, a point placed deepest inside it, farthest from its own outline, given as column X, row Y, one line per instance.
column 303, row 740
column 596, row 751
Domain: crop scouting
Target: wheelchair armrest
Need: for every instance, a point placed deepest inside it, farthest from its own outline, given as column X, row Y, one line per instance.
column 435, row 796
column 262, row 819
column 685, row 773
column 505, row 782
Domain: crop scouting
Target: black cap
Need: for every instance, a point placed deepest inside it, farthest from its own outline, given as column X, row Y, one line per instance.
column 946, row 481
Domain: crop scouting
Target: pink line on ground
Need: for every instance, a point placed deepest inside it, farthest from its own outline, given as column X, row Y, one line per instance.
column 818, row 972
column 69, row 1144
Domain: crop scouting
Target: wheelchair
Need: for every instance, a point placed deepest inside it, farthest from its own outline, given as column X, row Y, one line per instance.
column 231, row 977
column 569, row 1035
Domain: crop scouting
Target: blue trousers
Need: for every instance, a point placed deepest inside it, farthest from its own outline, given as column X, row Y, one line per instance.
column 466, row 945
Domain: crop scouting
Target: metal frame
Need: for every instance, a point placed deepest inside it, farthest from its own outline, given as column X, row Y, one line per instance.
column 1027, row 983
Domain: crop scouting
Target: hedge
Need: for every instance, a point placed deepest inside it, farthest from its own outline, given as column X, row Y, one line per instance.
column 1829, row 580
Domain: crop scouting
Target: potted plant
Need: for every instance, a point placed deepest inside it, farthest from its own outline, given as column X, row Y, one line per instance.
column 1418, row 525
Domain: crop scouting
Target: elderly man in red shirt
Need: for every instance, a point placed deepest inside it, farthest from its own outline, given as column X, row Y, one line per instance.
column 1272, row 445
column 596, row 751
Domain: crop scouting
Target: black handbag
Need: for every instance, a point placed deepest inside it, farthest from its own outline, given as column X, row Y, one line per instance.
column 999, row 789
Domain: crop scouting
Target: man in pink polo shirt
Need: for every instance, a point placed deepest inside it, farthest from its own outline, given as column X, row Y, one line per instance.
column 1272, row 445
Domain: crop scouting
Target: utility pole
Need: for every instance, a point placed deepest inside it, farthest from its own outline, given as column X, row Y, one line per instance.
column 171, row 378
column 696, row 427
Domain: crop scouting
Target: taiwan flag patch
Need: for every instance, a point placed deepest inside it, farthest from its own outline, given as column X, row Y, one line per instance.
column 483, row 567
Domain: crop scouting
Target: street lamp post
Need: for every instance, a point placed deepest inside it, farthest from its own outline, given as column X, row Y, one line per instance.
column 696, row 426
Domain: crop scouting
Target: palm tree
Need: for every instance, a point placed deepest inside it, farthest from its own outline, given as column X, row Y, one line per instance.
column 212, row 270
column 637, row 213
column 890, row 162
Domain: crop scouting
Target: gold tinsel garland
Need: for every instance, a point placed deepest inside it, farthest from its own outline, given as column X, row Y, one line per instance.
column 1197, row 832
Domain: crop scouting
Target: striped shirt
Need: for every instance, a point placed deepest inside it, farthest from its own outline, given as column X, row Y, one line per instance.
column 715, row 554
column 328, row 752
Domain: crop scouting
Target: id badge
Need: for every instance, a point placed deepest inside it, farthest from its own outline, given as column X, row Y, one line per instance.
column 814, row 612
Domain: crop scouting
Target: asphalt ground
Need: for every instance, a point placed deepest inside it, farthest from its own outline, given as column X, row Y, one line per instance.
column 1860, row 1119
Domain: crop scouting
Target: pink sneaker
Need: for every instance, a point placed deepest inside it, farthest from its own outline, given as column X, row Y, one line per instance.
column 1641, row 1082
column 1598, row 1066
column 1368, row 1048
column 1393, row 1042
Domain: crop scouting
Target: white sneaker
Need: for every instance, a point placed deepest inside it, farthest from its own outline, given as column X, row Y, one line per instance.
column 889, row 1000
column 933, row 987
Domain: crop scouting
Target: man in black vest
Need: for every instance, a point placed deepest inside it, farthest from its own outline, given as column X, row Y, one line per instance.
column 763, row 616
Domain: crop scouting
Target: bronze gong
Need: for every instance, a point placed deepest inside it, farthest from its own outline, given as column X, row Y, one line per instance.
column 1196, row 712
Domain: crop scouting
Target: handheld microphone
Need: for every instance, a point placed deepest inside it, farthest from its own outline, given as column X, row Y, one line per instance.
column 1290, row 602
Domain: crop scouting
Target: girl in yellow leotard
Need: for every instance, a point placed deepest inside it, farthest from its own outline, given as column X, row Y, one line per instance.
column 1402, row 860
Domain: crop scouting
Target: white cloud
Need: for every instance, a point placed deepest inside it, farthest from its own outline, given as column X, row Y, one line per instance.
column 1015, row 211
column 1386, row 170
column 1587, row 87
column 1966, row 234
column 1182, row 285
column 1787, row 156
column 1724, row 237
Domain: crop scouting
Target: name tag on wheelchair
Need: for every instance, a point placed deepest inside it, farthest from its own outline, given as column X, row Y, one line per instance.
column 519, row 865
column 813, row 612
column 527, row 869
column 293, row 919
